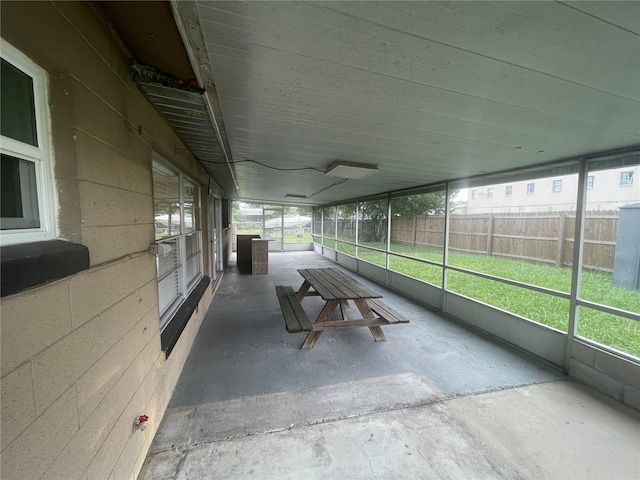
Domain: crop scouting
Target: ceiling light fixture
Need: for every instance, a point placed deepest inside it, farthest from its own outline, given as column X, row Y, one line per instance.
column 356, row 171
column 294, row 195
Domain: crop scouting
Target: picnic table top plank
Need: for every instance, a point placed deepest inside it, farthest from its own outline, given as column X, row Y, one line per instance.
column 324, row 290
column 358, row 288
column 332, row 284
column 338, row 283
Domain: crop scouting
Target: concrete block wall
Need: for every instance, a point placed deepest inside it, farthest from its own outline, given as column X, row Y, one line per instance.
column 612, row 375
column 81, row 357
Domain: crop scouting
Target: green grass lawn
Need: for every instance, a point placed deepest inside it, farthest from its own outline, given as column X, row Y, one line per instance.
column 620, row 333
column 295, row 238
column 347, row 249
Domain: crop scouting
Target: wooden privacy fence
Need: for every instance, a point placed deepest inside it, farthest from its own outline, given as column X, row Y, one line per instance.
column 544, row 237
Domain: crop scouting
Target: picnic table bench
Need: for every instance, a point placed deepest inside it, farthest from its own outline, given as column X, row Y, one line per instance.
column 336, row 289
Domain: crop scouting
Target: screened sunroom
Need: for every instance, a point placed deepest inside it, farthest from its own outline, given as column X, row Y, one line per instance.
column 470, row 170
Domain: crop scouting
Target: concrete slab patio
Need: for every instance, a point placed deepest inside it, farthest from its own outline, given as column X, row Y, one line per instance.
column 435, row 401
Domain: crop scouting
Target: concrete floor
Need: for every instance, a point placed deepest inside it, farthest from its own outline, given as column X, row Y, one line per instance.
column 434, row 401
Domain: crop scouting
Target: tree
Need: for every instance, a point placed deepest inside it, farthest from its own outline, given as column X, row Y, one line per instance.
column 423, row 204
column 373, row 228
column 235, row 208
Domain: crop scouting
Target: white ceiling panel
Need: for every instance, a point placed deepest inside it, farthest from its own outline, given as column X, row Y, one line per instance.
column 428, row 91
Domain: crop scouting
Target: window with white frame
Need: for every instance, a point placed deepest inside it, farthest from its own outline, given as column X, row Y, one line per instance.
column 531, row 188
column 27, row 195
column 490, row 192
column 508, row 191
column 474, row 194
column 590, row 182
column 626, row 178
column 178, row 233
column 557, row 186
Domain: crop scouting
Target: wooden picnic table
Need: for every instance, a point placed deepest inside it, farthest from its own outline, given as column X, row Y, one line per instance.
column 337, row 289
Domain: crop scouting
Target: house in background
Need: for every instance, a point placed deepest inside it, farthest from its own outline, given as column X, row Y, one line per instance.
column 249, row 214
column 607, row 190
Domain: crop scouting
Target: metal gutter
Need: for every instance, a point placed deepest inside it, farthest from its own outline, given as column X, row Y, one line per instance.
column 188, row 23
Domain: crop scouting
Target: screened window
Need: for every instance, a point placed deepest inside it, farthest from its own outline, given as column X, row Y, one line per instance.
column 609, row 269
column 26, row 201
column 589, row 182
column 531, row 188
column 372, row 231
column 516, row 243
column 317, row 225
column 557, row 186
column 508, row 190
column 417, row 235
column 489, row 192
column 176, row 204
column 474, row 194
column 346, row 228
column 329, row 227
column 297, row 225
column 626, row 178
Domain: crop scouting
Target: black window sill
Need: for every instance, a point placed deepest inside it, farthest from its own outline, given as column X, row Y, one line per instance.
column 170, row 335
column 29, row 265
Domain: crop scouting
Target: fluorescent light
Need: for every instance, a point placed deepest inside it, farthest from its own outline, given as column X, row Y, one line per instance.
column 356, row 171
column 294, row 195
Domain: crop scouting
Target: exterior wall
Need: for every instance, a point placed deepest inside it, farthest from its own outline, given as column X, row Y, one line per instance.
column 607, row 194
column 611, row 374
column 81, row 357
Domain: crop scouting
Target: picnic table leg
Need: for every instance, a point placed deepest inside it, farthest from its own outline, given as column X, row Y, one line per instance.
column 314, row 335
column 365, row 310
column 310, row 341
column 303, row 290
column 344, row 305
column 378, row 334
